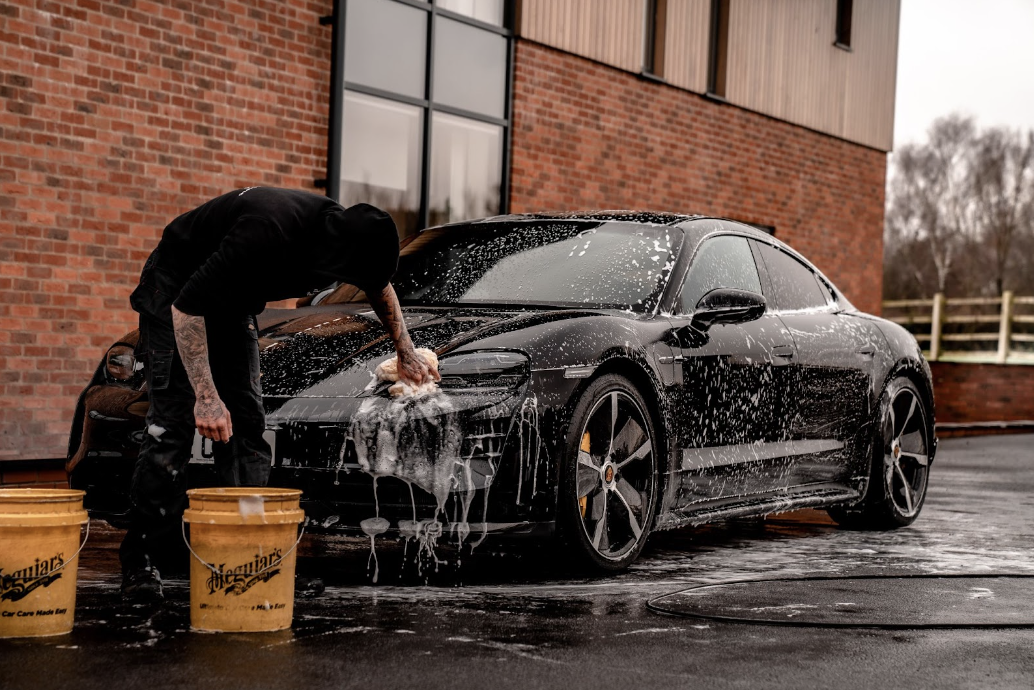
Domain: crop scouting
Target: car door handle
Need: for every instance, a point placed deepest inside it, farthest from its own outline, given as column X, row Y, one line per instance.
column 867, row 350
column 784, row 351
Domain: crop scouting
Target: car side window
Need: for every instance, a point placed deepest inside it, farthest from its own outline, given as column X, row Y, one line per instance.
column 721, row 262
column 794, row 285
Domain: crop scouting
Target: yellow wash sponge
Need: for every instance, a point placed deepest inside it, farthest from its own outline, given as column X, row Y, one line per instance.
column 388, row 370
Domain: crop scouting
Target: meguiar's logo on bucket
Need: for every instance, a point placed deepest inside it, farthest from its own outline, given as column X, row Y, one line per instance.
column 240, row 579
column 22, row 583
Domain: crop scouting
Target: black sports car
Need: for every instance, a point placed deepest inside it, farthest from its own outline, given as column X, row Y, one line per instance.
column 603, row 375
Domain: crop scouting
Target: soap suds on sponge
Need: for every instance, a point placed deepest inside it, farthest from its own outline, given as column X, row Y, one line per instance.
column 388, row 371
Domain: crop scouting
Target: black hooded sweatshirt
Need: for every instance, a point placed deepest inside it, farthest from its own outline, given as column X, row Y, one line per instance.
column 238, row 251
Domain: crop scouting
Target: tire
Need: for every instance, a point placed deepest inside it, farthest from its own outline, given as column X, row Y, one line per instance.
column 609, row 479
column 900, row 463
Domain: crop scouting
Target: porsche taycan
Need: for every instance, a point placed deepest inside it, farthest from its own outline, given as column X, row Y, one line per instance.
column 604, row 376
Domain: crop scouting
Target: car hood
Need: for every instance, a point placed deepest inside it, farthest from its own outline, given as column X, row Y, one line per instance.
column 327, row 352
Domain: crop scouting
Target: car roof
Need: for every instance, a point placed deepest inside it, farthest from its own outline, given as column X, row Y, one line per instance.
column 644, row 217
column 700, row 230
column 687, row 222
column 627, row 216
column 683, row 221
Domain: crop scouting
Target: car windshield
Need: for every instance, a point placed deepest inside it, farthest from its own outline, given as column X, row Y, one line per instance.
column 542, row 263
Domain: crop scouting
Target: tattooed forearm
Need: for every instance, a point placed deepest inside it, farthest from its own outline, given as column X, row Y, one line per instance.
column 411, row 366
column 192, row 341
column 386, row 305
column 210, row 415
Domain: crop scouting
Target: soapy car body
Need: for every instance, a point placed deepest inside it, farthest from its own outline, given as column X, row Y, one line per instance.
column 573, row 350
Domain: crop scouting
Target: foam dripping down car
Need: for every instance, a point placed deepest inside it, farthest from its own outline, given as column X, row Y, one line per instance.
column 604, row 375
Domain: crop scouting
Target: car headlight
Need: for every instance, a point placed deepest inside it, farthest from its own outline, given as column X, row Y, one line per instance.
column 486, row 369
column 120, row 363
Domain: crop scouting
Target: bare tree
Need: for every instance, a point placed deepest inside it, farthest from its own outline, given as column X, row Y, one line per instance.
column 960, row 213
column 1002, row 188
column 926, row 199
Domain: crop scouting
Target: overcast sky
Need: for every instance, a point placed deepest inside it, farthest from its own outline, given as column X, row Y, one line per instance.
column 971, row 56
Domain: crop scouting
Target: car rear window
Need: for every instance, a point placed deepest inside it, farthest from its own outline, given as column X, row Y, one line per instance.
column 794, row 285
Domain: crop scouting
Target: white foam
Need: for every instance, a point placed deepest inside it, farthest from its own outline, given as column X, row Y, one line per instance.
column 388, row 371
column 251, row 505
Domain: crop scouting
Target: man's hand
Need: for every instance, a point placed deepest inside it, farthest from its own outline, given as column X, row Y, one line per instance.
column 414, row 369
column 213, row 419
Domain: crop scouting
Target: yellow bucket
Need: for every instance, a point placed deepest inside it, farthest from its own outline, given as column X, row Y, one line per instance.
column 243, row 542
column 39, row 560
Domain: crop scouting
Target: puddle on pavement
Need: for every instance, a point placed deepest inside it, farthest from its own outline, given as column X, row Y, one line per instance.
column 924, row 601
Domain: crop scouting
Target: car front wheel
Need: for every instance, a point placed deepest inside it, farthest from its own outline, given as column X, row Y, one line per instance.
column 900, row 463
column 609, row 486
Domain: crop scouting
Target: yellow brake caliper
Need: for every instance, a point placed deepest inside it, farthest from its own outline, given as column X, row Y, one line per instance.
column 584, row 500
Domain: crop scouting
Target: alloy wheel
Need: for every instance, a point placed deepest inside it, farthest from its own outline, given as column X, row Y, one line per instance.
column 906, row 452
column 615, row 475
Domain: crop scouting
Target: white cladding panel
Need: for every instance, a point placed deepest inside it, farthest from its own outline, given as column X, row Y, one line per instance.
column 610, row 31
column 781, row 57
column 782, row 62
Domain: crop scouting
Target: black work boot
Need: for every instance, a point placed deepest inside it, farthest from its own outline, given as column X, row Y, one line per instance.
column 142, row 586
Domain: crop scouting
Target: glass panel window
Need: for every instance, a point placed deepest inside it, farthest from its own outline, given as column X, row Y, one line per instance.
column 794, row 285
column 380, row 157
column 488, row 11
column 469, row 68
column 721, row 262
column 466, row 168
column 386, row 46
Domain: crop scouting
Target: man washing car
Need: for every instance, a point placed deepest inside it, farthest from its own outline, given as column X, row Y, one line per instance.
column 213, row 270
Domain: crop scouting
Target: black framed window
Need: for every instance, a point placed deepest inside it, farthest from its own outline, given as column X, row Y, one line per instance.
column 654, row 35
column 845, row 9
column 381, row 148
column 420, row 108
column 466, row 168
column 719, row 48
column 488, row 11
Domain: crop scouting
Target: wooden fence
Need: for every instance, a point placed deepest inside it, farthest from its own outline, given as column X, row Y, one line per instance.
column 996, row 330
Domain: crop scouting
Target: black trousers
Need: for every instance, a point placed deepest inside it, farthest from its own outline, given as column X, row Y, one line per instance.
column 158, row 490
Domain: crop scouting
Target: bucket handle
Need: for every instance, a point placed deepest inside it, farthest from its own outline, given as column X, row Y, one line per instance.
column 216, row 571
column 75, row 555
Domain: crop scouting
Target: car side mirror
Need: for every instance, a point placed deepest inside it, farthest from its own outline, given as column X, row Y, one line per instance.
column 728, row 306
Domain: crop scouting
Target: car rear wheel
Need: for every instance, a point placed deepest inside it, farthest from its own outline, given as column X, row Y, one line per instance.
column 609, row 485
column 900, row 463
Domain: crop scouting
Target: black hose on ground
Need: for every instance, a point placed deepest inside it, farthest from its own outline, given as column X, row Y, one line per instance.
column 654, row 606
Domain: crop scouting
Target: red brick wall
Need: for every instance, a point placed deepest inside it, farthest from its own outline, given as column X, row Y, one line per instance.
column 983, row 392
column 116, row 116
column 590, row 136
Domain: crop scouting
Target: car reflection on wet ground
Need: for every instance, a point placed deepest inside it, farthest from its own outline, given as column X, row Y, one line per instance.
column 515, row 619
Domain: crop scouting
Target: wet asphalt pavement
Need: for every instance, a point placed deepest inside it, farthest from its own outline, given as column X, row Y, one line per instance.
column 505, row 620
